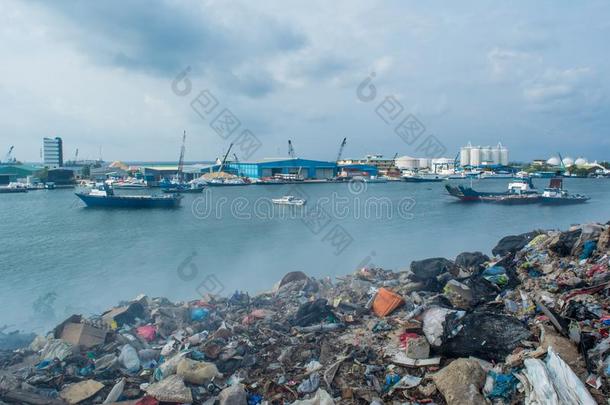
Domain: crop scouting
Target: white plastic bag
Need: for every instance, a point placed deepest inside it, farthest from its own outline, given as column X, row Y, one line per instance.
column 567, row 384
column 543, row 392
column 434, row 320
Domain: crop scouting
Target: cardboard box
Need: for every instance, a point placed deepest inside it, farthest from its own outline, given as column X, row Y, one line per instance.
column 80, row 334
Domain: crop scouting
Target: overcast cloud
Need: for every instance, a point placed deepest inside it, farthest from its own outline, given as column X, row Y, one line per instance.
column 533, row 75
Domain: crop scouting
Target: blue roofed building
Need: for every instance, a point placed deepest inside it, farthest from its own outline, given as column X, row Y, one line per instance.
column 305, row 168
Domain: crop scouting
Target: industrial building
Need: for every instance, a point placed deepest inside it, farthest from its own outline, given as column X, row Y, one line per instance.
column 479, row 156
column 352, row 170
column 61, row 177
column 415, row 163
column 307, row 169
column 383, row 166
column 53, row 152
column 13, row 173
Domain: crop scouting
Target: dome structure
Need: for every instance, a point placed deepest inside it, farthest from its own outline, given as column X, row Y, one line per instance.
column 568, row 161
column 581, row 161
column 553, row 161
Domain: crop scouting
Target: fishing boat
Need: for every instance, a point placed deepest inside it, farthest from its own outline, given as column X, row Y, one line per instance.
column 288, row 200
column 104, row 197
column 520, row 190
column 554, row 194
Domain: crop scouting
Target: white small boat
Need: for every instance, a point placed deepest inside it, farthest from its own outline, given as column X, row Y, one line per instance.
column 288, row 200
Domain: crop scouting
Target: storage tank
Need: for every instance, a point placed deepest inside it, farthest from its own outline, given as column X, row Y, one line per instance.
column 495, row 154
column 503, row 156
column 581, row 161
column 475, row 156
column 424, row 163
column 465, row 155
column 486, row 154
column 553, row 161
column 407, row 163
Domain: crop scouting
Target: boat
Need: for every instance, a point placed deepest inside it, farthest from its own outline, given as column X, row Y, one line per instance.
column 129, row 184
column 370, row 179
column 512, row 199
column 554, row 194
column 413, row 177
column 520, row 190
column 14, row 188
column 191, row 188
column 496, row 175
column 288, row 200
column 104, row 197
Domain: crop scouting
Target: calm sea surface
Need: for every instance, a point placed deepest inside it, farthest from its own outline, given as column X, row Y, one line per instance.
column 59, row 258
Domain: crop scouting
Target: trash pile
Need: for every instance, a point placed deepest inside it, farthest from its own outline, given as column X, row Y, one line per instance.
column 529, row 325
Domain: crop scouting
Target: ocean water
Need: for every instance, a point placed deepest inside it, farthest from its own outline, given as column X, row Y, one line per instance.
column 58, row 258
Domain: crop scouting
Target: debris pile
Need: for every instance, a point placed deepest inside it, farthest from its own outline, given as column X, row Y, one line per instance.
column 529, row 325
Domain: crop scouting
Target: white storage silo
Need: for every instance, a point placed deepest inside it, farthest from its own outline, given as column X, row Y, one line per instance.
column 503, row 155
column 465, row 155
column 475, row 156
column 495, row 154
column 486, row 154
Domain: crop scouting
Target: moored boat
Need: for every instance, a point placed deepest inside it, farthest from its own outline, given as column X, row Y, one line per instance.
column 14, row 188
column 555, row 194
column 370, row 179
column 417, row 177
column 520, row 190
column 104, row 197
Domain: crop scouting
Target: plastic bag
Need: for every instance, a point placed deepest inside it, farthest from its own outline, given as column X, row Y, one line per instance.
column 129, row 358
column 568, row 386
column 543, row 392
column 434, row 324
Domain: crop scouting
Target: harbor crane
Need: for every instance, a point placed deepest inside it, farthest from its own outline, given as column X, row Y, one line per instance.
column 561, row 164
column 291, row 150
column 181, row 160
column 236, row 158
column 9, row 158
column 76, row 156
column 343, row 143
column 224, row 160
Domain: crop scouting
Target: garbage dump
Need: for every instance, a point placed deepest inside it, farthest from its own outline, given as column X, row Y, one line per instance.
column 530, row 325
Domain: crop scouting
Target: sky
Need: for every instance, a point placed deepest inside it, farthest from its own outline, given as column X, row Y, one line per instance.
column 105, row 76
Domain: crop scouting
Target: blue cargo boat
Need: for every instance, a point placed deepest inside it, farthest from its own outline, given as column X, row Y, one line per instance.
column 104, row 197
column 520, row 191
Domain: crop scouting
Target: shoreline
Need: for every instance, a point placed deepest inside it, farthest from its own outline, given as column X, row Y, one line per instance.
column 411, row 333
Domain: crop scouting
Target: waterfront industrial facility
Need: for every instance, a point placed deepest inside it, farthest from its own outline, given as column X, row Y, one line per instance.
column 487, row 161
